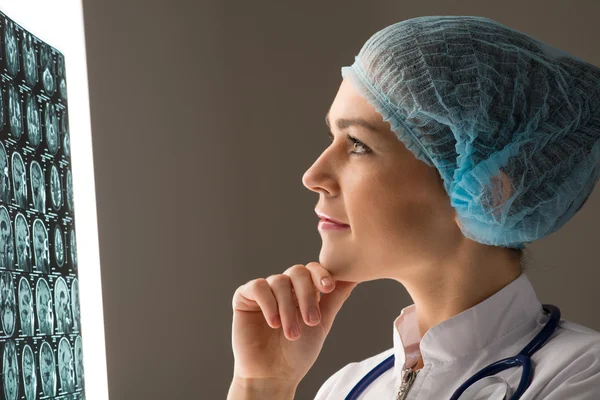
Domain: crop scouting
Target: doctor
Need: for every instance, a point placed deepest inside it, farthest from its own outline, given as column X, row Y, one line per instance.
column 442, row 202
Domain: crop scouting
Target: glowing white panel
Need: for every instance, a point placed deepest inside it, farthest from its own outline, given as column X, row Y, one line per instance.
column 60, row 24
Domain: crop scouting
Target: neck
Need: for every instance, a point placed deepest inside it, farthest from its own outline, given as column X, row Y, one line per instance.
column 443, row 290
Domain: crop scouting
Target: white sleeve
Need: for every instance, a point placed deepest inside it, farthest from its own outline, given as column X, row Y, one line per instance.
column 324, row 392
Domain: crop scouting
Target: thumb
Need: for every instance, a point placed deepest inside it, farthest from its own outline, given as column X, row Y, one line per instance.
column 331, row 303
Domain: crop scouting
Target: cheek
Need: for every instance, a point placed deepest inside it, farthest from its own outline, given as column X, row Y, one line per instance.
column 397, row 210
column 389, row 201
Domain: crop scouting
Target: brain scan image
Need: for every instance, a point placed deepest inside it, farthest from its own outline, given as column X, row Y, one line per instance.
column 40, row 316
column 47, row 369
column 67, row 144
column 11, row 48
column 38, row 187
column 29, row 375
column 30, row 64
column 75, row 305
column 26, row 307
column 4, row 176
column 15, row 112
column 66, row 366
column 64, row 128
column 19, row 177
column 43, row 301
column 2, row 114
column 59, row 247
column 8, row 303
column 62, row 304
column 48, row 69
column 55, row 188
column 7, row 253
column 73, row 250
column 69, row 190
column 34, row 125
column 62, row 74
column 10, row 371
column 41, row 248
column 79, row 363
column 51, row 121
column 22, row 243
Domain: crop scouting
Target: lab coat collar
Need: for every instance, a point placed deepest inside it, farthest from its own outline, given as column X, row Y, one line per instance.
column 467, row 332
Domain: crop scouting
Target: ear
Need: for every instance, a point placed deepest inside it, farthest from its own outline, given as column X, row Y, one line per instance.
column 499, row 192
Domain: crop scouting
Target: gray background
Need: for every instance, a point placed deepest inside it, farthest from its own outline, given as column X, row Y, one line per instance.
column 205, row 115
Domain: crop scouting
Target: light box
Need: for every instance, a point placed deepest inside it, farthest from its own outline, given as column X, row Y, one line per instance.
column 51, row 317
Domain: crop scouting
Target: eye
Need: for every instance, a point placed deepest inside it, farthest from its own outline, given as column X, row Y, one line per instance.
column 366, row 149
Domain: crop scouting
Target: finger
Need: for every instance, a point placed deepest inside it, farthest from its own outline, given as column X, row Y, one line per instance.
column 257, row 295
column 306, row 293
column 281, row 285
column 322, row 279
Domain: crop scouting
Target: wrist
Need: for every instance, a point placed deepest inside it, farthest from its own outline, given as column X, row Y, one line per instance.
column 251, row 389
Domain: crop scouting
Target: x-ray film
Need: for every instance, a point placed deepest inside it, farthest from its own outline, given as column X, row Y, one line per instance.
column 40, row 320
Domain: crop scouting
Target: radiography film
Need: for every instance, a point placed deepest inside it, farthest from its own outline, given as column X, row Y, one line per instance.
column 40, row 321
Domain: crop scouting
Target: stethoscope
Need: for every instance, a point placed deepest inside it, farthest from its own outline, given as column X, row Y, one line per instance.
column 477, row 385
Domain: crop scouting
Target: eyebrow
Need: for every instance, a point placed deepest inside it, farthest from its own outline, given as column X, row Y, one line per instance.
column 343, row 123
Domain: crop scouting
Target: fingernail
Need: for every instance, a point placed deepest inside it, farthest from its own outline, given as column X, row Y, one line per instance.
column 295, row 331
column 326, row 282
column 313, row 314
column 276, row 320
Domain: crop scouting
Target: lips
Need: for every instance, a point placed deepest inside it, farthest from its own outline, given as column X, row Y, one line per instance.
column 333, row 221
column 327, row 218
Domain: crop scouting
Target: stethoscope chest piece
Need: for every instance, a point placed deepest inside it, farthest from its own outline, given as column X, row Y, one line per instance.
column 488, row 388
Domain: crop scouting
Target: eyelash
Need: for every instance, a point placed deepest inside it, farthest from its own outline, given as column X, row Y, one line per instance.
column 355, row 141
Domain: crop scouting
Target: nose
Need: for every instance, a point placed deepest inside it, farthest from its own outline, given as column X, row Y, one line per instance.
column 308, row 179
column 319, row 177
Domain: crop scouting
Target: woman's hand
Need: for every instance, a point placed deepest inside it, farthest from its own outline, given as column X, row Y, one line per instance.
column 274, row 338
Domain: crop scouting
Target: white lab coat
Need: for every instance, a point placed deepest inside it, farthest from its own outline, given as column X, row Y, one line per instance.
column 566, row 367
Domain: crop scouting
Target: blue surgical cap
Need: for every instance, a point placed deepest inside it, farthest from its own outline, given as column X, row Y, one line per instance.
column 511, row 124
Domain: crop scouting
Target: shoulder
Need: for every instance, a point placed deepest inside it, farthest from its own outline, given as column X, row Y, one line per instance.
column 571, row 341
column 344, row 379
column 575, row 336
column 569, row 363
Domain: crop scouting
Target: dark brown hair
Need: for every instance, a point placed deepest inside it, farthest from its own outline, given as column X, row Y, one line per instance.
column 522, row 255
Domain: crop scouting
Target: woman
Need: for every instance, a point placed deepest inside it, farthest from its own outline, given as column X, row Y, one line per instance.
column 456, row 140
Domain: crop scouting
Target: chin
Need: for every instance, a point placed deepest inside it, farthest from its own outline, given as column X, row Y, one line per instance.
column 341, row 269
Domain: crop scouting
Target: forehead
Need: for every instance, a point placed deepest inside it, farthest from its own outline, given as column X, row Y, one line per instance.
column 348, row 100
column 349, row 103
